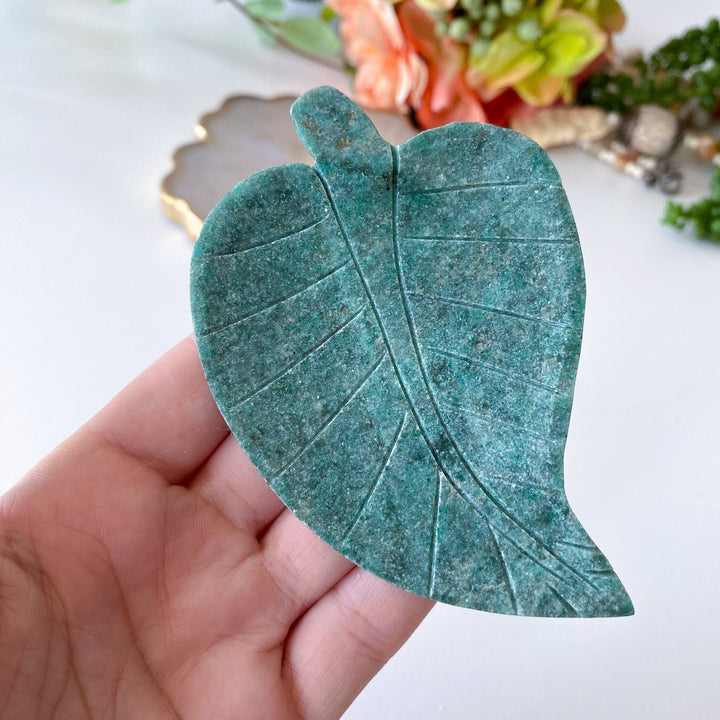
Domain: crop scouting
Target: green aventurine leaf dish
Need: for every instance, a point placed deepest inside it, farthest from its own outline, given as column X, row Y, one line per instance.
column 392, row 335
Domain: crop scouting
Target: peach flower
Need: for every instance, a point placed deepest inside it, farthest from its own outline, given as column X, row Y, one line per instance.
column 447, row 97
column 390, row 75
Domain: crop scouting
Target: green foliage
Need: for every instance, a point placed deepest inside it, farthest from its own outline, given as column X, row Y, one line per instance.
column 309, row 35
column 685, row 68
column 265, row 35
column 703, row 215
column 266, row 9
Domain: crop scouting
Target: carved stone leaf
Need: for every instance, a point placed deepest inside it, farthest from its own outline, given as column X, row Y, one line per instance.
column 393, row 335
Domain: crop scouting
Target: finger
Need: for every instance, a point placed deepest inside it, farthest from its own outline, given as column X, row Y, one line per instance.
column 303, row 567
column 345, row 638
column 166, row 417
column 232, row 485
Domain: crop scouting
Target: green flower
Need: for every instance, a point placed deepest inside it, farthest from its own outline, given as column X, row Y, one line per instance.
column 542, row 50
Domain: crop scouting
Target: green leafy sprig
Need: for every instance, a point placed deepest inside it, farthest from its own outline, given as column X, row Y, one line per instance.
column 686, row 68
column 703, row 215
column 309, row 35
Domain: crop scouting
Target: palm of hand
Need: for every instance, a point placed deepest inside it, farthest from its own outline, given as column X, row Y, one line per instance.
column 146, row 570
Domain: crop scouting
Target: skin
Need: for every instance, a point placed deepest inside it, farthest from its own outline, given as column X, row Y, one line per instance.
column 147, row 571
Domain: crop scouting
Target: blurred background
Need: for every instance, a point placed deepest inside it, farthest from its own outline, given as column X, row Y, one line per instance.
column 94, row 99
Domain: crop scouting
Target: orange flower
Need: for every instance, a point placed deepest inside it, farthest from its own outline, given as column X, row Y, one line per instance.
column 390, row 75
column 447, row 97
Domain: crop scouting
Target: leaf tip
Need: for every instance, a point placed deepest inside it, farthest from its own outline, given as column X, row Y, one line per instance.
column 331, row 125
column 625, row 606
column 615, row 601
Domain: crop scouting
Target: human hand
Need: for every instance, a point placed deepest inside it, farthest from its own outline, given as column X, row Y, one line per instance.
column 147, row 571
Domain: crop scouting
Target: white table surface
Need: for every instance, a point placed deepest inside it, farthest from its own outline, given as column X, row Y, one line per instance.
column 94, row 285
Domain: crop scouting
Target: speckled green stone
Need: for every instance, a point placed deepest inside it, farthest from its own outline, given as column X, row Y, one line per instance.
column 393, row 335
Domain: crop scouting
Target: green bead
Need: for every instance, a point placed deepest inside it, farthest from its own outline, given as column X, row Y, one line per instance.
column 492, row 12
column 511, row 7
column 459, row 28
column 472, row 6
column 487, row 28
column 528, row 30
column 441, row 28
column 479, row 48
